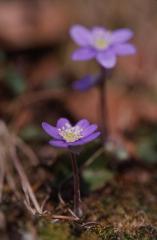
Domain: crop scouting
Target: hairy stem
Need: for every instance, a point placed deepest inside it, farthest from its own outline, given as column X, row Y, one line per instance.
column 77, row 197
column 103, row 105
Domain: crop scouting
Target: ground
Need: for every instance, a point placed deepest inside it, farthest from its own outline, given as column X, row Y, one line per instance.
column 125, row 208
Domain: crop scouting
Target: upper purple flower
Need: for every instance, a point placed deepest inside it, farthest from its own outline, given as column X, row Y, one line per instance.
column 65, row 135
column 102, row 44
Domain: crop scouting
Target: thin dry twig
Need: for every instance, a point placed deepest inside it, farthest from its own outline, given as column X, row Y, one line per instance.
column 93, row 158
column 67, row 218
column 90, row 224
column 24, row 181
column 27, row 151
column 9, row 157
column 44, row 202
column 11, row 180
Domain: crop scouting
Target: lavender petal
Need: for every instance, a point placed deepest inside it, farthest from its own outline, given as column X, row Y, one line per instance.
column 62, row 122
column 92, row 128
column 86, row 83
column 50, row 130
column 122, row 35
column 83, row 54
column 106, row 58
column 83, row 123
column 59, row 144
column 124, row 49
column 99, row 30
column 80, row 35
column 102, row 33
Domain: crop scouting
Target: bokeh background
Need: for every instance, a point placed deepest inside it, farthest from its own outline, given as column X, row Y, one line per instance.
column 36, row 73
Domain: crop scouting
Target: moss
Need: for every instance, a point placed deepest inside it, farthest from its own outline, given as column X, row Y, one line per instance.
column 146, row 233
column 89, row 235
column 124, row 210
column 53, row 231
column 107, row 233
column 128, row 237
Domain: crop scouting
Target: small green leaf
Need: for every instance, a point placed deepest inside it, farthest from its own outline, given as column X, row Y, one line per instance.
column 31, row 132
column 2, row 56
column 147, row 151
column 15, row 81
column 97, row 178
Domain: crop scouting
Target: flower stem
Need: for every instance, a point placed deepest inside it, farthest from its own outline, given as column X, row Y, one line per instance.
column 77, row 197
column 103, row 106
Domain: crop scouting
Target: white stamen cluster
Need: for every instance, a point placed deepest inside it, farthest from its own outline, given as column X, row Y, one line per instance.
column 69, row 133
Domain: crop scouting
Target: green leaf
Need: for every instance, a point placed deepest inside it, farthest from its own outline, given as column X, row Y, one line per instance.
column 15, row 81
column 31, row 132
column 96, row 178
column 2, row 56
column 147, row 151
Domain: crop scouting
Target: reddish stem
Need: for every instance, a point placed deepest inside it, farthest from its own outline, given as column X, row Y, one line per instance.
column 77, row 196
column 103, row 105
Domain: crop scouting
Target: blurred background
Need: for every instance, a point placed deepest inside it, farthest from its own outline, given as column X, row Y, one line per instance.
column 36, row 73
column 36, row 70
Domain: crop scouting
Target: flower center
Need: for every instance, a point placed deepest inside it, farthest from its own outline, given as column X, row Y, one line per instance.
column 101, row 43
column 101, row 39
column 69, row 133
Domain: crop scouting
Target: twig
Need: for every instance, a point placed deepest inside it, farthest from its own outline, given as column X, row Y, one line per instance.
column 11, row 180
column 93, row 157
column 90, row 224
column 26, row 150
column 62, row 202
column 60, row 190
column 68, row 218
column 25, row 183
column 44, row 202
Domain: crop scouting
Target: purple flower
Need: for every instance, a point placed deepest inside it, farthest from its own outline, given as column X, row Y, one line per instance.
column 65, row 135
column 86, row 82
column 101, row 44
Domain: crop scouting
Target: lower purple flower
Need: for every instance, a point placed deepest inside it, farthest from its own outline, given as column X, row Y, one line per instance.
column 65, row 135
column 86, row 82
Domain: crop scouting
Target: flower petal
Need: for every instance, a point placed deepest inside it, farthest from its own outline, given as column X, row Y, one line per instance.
column 50, row 130
column 124, row 49
column 59, row 144
column 100, row 32
column 61, row 122
column 83, row 123
column 106, row 58
column 82, row 54
column 89, row 130
column 85, row 140
column 86, row 82
column 80, row 35
column 122, row 35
